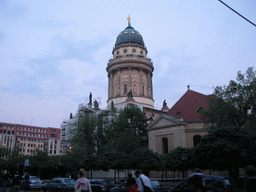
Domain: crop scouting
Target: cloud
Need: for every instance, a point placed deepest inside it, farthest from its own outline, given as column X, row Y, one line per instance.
column 12, row 11
column 50, row 23
column 2, row 36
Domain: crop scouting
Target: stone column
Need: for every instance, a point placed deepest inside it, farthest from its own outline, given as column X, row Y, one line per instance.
column 130, row 80
column 108, row 86
column 148, row 84
column 140, row 83
column 151, row 86
column 111, row 84
column 119, row 82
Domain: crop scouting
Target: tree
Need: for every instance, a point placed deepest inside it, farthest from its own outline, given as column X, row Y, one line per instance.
column 235, row 104
column 221, row 149
column 130, row 130
column 173, row 159
column 146, row 160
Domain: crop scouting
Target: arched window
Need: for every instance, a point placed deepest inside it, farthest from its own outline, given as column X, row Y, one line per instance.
column 125, row 88
column 165, row 145
column 196, row 139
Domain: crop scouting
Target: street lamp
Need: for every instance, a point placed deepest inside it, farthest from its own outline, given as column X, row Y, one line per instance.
column 184, row 159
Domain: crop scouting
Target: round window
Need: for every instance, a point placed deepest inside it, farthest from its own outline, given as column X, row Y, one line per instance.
column 125, row 50
column 141, row 52
column 134, row 50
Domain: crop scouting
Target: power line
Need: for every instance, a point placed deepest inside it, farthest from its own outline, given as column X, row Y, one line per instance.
column 237, row 13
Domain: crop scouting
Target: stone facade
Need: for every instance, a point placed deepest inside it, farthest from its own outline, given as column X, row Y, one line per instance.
column 175, row 132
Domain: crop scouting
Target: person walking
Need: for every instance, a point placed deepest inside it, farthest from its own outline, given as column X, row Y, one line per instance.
column 6, row 179
column 82, row 183
column 143, row 183
column 250, row 180
column 131, row 183
column 26, row 182
column 16, row 181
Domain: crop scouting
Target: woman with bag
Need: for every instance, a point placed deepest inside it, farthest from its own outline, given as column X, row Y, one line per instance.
column 82, row 184
column 131, row 183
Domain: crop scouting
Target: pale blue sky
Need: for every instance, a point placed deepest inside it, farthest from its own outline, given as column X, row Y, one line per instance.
column 54, row 53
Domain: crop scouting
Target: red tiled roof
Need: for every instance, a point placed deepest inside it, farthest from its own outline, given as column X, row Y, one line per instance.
column 188, row 104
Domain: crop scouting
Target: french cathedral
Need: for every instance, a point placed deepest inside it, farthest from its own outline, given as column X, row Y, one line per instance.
column 130, row 83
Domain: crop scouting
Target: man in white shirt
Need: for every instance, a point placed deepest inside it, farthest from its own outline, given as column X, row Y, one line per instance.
column 142, row 180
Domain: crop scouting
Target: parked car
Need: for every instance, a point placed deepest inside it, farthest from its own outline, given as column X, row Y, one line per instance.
column 34, row 183
column 157, row 186
column 110, row 183
column 122, row 187
column 214, row 183
column 99, row 185
column 59, row 184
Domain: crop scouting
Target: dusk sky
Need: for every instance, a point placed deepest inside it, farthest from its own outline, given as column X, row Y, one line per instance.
column 54, row 53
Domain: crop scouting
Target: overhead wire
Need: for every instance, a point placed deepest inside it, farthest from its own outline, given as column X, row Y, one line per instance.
column 237, row 13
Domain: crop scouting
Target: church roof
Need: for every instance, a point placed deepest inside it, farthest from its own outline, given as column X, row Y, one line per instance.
column 188, row 106
column 129, row 35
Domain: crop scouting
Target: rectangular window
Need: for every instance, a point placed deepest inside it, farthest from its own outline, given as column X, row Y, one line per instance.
column 125, row 88
column 55, row 152
column 28, row 129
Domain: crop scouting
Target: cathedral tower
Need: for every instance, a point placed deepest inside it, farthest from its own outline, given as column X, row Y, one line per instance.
column 130, row 71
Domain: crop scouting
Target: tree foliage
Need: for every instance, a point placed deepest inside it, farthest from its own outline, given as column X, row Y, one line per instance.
column 235, row 104
column 130, row 130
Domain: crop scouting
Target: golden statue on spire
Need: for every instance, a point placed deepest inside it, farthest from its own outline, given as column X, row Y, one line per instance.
column 129, row 19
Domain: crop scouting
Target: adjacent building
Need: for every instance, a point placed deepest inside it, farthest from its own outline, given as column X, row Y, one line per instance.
column 29, row 138
column 181, row 126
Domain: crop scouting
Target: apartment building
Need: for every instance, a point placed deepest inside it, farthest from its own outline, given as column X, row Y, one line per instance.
column 29, row 138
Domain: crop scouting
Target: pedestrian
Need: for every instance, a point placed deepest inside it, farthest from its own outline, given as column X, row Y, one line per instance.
column 143, row 183
column 82, row 183
column 16, row 181
column 131, row 183
column 250, row 181
column 6, row 179
column 26, row 182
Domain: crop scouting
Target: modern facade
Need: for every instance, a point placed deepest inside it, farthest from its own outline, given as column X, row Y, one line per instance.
column 29, row 138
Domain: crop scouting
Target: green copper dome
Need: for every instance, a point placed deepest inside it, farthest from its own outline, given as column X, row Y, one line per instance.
column 129, row 35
